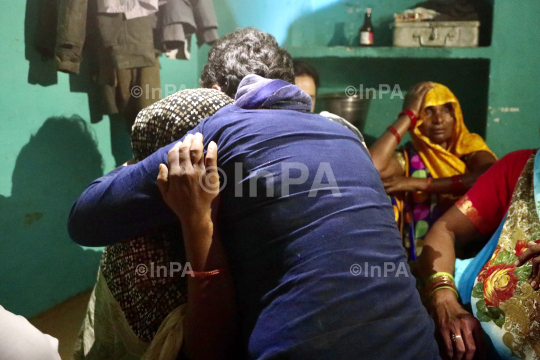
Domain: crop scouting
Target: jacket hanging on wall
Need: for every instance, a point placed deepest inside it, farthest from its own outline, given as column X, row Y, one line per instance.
column 180, row 19
column 124, row 49
column 130, row 8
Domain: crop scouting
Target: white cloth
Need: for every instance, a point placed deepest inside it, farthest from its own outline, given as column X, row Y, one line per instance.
column 20, row 340
column 338, row 119
column 180, row 54
column 106, row 334
column 131, row 8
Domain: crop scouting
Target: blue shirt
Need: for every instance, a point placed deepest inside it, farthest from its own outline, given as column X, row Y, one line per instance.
column 294, row 253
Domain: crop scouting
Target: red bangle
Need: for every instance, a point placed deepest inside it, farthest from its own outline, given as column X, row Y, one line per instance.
column 394, row 131
column 428, row 184
column 457, row 186
column 411, row 116
column 202, row 274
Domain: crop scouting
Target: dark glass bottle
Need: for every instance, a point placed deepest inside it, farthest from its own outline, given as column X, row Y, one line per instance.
column 366, row 31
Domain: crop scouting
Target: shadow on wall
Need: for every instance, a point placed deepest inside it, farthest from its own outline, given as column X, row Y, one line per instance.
column 40, row 265
column 40, row 40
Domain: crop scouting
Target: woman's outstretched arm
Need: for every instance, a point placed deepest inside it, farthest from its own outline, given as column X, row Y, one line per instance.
column 477, row 164
column 438, row 256
column 190, row 187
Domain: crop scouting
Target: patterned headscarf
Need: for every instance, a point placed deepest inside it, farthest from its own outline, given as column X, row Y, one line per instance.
column 171, row 118
column 146, row 301
column 447, row 162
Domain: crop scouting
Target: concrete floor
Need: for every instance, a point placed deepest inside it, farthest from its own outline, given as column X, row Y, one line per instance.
column 63, row 322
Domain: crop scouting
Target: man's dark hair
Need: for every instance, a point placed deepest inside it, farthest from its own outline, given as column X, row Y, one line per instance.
column 243, row 52
column 302, row 68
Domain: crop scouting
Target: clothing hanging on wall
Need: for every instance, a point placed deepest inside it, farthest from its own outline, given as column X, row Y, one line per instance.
column 123, row 50
column 131, row 90
column 180, row 19
column 130, row 8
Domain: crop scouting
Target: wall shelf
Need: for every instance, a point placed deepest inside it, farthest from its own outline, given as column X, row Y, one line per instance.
column 390, row 52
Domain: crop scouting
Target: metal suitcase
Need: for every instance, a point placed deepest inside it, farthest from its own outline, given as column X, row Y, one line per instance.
column 436, row 33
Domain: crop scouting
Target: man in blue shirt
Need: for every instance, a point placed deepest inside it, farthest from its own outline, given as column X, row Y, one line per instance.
column 315, row 254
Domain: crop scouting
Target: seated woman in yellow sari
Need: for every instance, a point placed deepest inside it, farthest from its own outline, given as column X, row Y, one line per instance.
column 428, row 175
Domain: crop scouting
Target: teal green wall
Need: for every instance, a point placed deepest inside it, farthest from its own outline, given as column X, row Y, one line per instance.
column 514, row 108
column 497, row 89
column 45, row 163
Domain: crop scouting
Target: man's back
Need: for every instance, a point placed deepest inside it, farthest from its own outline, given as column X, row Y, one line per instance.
column 302, row 205
column 319, row 269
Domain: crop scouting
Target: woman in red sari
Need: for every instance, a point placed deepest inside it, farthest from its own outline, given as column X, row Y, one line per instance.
column 500, row 286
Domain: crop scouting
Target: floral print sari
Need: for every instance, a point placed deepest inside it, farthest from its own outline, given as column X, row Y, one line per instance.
column 502, row 299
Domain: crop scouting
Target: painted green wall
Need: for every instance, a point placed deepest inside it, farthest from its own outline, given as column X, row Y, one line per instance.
column 47, row 157
column 497, row 93
column 514, row 109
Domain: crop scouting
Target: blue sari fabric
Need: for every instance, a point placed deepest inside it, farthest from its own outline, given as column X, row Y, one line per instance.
column 472, row 269
column 495, row 288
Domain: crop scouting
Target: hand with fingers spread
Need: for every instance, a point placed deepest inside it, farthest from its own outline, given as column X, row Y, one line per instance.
column 190, row 185
column 383, row 149
column 415, row 97
column 532, row 253
column 460, row 331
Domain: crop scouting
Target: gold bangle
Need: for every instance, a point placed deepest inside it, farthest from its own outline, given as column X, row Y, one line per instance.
column 439, row 280
column 442, row 274
column 443, row 287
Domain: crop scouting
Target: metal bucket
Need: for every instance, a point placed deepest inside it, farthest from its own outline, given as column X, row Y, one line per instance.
column 352, row 108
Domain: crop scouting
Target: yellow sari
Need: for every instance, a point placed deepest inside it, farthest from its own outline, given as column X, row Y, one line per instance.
column 416, row 212
column 446, row 162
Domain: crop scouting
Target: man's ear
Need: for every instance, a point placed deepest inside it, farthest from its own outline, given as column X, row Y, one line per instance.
column 217, row 87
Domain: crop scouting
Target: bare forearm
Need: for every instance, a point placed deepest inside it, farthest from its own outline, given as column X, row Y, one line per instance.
column 203, row 246
column 210, row 329
column 477, row 164
column 385, row 146
column 211, row 311
column 445, row 186
column 438, row 253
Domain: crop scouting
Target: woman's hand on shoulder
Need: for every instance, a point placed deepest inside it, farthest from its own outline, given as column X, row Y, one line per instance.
column 461, row 332
column 415, row 97
column 399, row 183
column 190, row 185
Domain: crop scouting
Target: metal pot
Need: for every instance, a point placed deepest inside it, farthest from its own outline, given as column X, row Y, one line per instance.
column 352, row 108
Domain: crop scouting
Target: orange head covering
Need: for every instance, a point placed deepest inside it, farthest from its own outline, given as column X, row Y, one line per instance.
column 446, row 162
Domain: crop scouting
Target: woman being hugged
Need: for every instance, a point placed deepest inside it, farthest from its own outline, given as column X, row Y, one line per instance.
column 426, row 176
